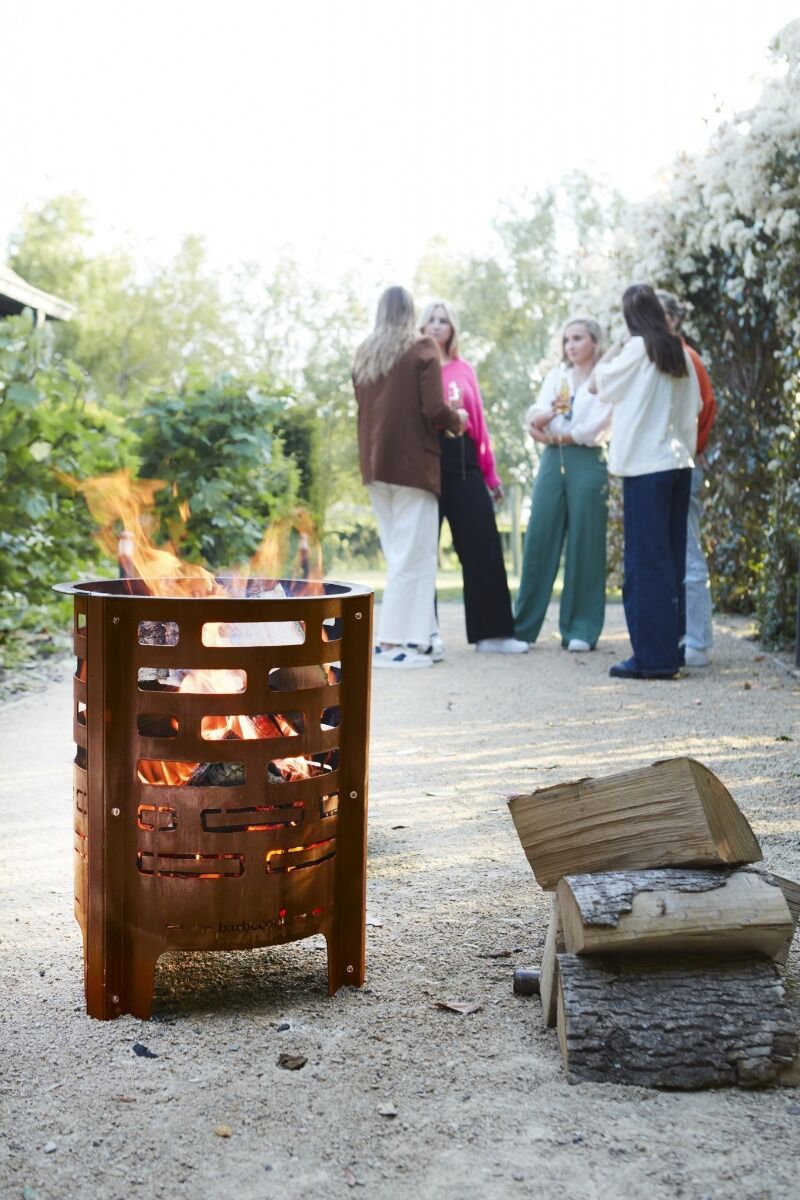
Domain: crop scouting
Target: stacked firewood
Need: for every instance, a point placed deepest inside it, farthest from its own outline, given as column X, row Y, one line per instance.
column 660, row 961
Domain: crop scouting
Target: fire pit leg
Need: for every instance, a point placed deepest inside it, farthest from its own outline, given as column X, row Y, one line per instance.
column 139, row 974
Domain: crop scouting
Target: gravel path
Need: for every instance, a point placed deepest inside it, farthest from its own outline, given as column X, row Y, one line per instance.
column 482, row 1107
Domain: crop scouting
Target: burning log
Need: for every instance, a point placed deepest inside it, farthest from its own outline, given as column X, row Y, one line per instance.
column 673, row 1024
column 673, row 813
column 718, row 912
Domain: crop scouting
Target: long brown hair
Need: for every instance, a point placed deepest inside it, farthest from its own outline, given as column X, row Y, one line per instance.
column 393, row 334
column 645, row 318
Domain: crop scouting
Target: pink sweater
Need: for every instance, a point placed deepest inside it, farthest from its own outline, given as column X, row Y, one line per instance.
column 461, row 374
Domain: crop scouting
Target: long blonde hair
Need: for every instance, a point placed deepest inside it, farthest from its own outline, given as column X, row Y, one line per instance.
column 393, row 334
column 451, row 349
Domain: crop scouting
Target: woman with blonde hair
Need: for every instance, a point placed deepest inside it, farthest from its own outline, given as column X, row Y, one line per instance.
column 401, row 405
column 569, row 507
column 469, row 484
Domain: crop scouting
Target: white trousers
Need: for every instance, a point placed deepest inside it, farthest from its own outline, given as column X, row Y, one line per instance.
column 408, row 522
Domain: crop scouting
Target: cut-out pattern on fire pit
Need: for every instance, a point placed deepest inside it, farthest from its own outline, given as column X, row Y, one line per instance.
column 207, row 824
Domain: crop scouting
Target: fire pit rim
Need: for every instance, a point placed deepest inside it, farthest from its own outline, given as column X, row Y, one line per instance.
column 119, row 589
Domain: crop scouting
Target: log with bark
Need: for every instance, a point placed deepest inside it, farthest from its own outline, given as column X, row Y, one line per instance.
column 674, row 1023
column 719, row 912
column 673, row 813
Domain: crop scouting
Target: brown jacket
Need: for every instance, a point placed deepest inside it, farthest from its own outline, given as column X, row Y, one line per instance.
column 398, row 416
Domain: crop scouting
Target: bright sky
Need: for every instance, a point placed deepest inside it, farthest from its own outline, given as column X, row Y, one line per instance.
column 355, row 128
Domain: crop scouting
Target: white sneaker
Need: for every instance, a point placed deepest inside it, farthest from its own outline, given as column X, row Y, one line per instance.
column 696, row 658
column 578, row 645
column 399, row 659
column 434, row 649
column 501, row 646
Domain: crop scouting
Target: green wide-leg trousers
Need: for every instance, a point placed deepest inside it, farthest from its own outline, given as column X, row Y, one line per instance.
column 569, row 505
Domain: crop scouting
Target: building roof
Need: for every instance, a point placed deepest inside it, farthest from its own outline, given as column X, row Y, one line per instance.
column 16, row 294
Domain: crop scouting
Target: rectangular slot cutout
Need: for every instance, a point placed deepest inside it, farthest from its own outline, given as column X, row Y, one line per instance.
column 253, row 820
column 80, row 713
column 80, row 623
column 253, row 633
column 332, row 629
column 156, row 818
column 158, row 633
column 196, row 682
column 300, row 679
column 247, row 729
column 160, row 772
column 294, row 770
column 329, row 805
column 191, row 866
column 295, row 858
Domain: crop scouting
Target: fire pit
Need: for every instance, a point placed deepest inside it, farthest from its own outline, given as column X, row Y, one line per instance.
column 220, row 776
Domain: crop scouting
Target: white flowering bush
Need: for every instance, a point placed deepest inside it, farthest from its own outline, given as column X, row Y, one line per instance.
column 724, row 234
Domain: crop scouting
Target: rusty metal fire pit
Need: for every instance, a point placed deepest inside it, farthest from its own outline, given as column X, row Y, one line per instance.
column 220, row 777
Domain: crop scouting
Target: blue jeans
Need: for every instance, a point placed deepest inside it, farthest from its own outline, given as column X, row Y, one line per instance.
column 654, row 596
column 699, row 633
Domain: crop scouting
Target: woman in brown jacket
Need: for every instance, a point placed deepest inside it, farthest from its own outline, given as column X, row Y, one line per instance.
column 398, row 385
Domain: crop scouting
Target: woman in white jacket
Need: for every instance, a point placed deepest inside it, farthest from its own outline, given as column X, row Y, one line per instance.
column 651, row 384
column 570, row 497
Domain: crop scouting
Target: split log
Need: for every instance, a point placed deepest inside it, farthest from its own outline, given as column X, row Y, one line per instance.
column 673, row 813
column 673, row 1023
column 791, row 894
column 548, row 980
column 718, row 912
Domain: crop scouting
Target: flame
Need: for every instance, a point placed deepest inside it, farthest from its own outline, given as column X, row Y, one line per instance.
column 123, row 508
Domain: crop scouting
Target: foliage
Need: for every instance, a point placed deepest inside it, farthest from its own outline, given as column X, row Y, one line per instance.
column 725, row 235
column 50, row 422
column 213, row 444
column 134, row 330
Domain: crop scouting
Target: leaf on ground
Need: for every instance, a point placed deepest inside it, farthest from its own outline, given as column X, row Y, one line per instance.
column 759, row 657
column 399, row 827
column 349, row 1177
column 387, row 1110
column 292, row 1062
column 374, row 922
column 462, row 1007
column 783, row 737
column 747, row 685
column 223, row 1130
column 124, row 1099
column 499, row 953
column 437, row 792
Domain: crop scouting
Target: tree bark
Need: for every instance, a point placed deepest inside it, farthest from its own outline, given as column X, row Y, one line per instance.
column 673, row 1024
column 715, row 912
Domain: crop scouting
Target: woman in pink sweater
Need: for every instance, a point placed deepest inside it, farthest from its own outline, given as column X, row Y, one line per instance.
column 468, row 478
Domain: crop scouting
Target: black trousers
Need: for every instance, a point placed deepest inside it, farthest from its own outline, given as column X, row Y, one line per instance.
column 467, row 506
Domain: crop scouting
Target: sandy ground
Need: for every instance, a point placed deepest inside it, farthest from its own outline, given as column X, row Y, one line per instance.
column 482, row 1106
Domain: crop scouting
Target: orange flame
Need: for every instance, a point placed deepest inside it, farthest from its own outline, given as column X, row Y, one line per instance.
column 123, row 508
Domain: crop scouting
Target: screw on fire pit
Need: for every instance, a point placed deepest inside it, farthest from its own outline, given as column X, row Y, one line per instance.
column 358, row 616
column 115, row 620
column 349, row 968
column 354, row 795
column 115, row 999
column 115, row 812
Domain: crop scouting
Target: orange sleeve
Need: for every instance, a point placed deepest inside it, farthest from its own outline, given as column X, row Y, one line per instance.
column 709, row 409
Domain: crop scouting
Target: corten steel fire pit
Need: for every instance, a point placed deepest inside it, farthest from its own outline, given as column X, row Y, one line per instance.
column 218, row 819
